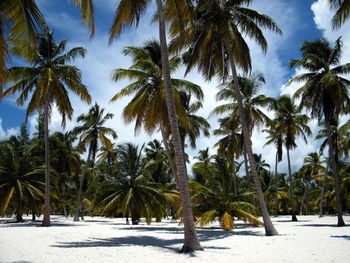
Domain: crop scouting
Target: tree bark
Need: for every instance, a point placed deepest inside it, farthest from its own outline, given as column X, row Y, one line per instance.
column 19, row 217
column 294, row 217
column 334, row 169
column 81, row 182
column 191, row 241
column 269, row 227
column 46, row 219
column 168, row 152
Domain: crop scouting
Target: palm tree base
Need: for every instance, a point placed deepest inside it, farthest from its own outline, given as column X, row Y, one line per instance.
column 340, row 221
column 294, row 218
column 188, row 248
column 76, row 219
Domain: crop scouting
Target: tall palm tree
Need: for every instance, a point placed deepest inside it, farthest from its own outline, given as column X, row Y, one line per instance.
column 128, row 13
column 251, row 103
column 342, row 12
column 313, row 165
column 47, row 80
column 92, row 132
column 325, row 93
column 275, row 137
column 291, row 124
column 340, row 136
column 216, row 45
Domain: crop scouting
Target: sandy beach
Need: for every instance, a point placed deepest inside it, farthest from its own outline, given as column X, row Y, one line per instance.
column 98, row 239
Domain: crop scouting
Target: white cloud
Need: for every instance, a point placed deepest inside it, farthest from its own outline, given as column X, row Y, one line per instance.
column 5, row 134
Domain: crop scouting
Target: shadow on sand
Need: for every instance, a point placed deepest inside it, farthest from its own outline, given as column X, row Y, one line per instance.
column 149, row 240
column 36, row 224
column 345, row 237
column 323, row 225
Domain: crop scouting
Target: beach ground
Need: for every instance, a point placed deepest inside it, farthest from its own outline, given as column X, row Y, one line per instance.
column 104, row 240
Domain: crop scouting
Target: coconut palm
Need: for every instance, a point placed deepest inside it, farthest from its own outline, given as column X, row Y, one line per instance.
column 340, row 136
column 214, row 197
column 18, row 181
column 132, row 193
column 251, row 103
column 214, row 36
column 149, row 106
column 275, row 137
column 342, row 12
column 291, row 123
column 312, row 169
column 47, row 80
column 129, row 13
column 92, row 132
column 325, row 92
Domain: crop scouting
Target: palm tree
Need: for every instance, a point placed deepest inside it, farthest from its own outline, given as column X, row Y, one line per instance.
column 92, row 132
column 214, row 198
column 231, row 145
column 291, row 124
column 47, row 81
column 66, row 162
column 18, row 181
column 275, row 137
column 132, row 193
column 20, row 22
column 128, row 13
column 214, row 37
column 251, row 103
column 342, row 13
column 340, row 136
column 148, row 106
column 325, row 93
column 312, row 168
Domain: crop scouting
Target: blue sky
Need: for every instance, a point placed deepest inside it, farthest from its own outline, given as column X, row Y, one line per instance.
column 299, row 20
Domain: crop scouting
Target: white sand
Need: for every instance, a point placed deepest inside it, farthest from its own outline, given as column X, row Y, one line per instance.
column 97, row 239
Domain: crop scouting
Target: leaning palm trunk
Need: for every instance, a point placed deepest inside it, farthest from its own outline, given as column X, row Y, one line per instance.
column 168, row 152
column 191, row 241
column 269, row 227
column 320, row 213
column 46, row 219
column 334, row 170
column 80, row 190
column 291, row 194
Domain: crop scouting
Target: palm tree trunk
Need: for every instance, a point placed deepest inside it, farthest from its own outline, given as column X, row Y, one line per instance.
column 191, row 241
column 234, row 177
column 81, row 182
column 276, row 185
column 294, row 217
column 168, row 152
column 269, row 227
column 19, row 217
column 334, row 169
column 320, row 213
column 46, row 219
column 249, row 180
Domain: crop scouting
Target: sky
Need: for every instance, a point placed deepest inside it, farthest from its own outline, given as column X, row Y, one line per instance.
column 299, row 21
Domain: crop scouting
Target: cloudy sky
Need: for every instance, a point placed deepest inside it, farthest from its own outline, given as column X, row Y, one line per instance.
column 299, row 21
